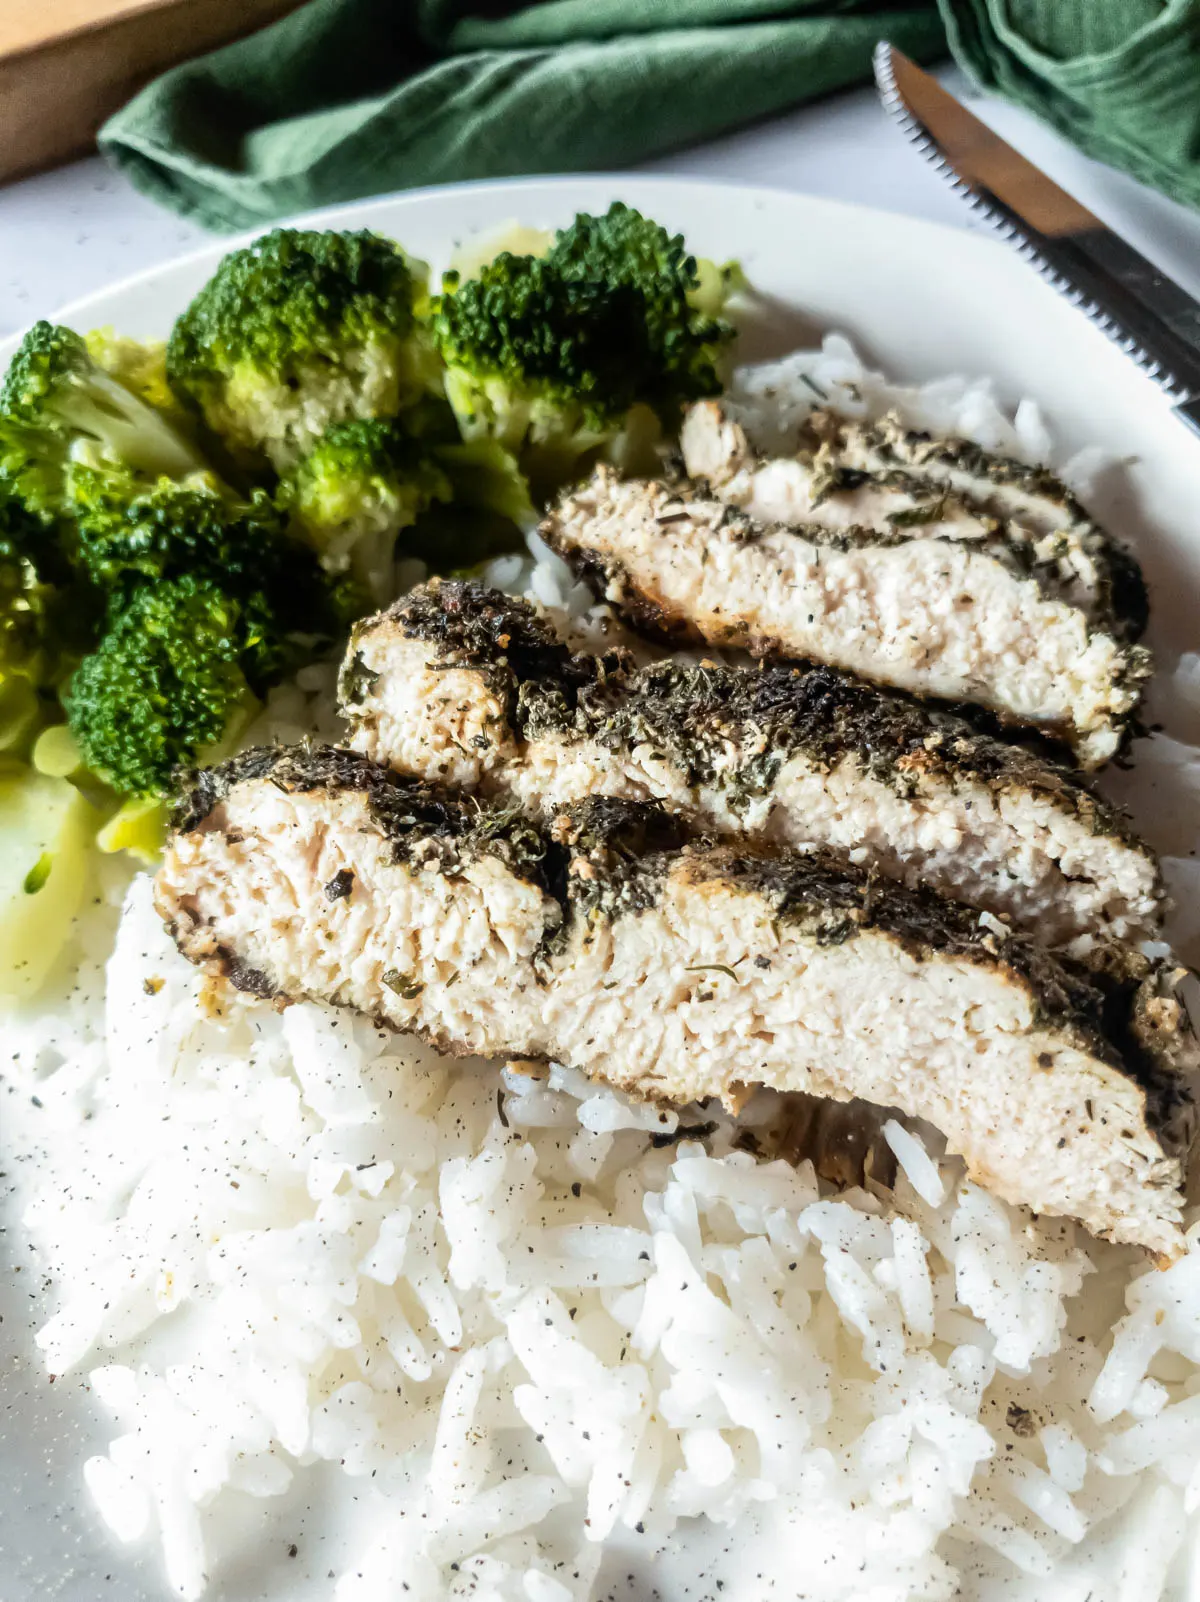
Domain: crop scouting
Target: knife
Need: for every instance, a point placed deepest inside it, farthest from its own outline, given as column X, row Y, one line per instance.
column 1143, row 311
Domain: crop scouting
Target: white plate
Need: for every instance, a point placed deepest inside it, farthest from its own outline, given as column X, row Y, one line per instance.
column 921, row 301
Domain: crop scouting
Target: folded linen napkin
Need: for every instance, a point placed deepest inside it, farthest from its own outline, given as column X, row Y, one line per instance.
column 345, row 98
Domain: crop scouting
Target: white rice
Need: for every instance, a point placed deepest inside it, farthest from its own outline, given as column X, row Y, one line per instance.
column 477, row 1333
column 775, row 398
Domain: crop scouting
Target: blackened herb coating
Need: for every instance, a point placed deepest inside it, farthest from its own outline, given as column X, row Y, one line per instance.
column 686, row 968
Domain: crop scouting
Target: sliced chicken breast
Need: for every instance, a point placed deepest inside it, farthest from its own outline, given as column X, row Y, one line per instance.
column 847, row 474
column 960, row 620
column 1032, row 501
column 807, row 488
column 685, row 971
column 465, row 686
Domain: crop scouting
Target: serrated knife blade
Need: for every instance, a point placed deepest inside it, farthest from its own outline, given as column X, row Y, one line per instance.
column 1147, row 314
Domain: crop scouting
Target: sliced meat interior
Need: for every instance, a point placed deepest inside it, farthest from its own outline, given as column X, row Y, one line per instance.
column 848, row 474
column 1032, row 501
column 805, row 488
column 465, row 686
column 682, row 971
column 961, row 620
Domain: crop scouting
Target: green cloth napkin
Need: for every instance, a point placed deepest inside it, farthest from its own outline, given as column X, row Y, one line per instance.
column 1119, row 78
column 346, row 98
column 359, row 97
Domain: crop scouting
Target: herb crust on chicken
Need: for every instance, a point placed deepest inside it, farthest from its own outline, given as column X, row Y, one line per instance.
column 684, row 970
column 461, row 685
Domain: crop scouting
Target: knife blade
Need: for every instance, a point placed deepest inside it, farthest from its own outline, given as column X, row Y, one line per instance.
column 1147, row 314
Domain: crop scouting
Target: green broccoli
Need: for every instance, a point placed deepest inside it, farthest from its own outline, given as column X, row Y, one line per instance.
column 129, row 529
column 24, row 605
column 158, row 607
column 487, row 478
column 131, row 533
column 533, row 359
column 26, row 631
column 628, row 252
column 48, row 615
column 298, row 332
column 56, row 400
column 355, row 490
column 141, row 366
column 168, row 682
column 365, row 482
column 28, row 654
column 209, row 603
column 550, row 355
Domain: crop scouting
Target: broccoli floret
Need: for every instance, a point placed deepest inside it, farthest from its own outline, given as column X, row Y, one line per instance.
column 355, row 490
column 140, row 365
column 131, row 529
column 629, row 252
column 209, row 602
column 56, row 400
column 48, row 616
column 167, row 682
column 130, row 533
column 365, row 482
column 25, row 600
column 487, row 478
column 32, row 469
column 298, row 332
column 24, row 604
column 431, row 419
column 549, row 355
column 534, row 359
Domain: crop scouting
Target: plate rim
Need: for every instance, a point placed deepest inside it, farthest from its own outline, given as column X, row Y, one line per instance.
column 557, row 184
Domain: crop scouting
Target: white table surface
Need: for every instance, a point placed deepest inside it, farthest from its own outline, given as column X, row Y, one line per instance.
column 67, row 232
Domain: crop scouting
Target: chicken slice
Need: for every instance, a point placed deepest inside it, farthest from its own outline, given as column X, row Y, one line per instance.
column 848, row 474
column 686, row 971
column 465, row 686
column 959, row 620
